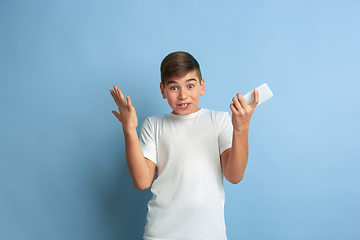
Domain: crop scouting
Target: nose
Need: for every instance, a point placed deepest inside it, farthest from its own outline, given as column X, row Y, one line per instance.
column 182, row 94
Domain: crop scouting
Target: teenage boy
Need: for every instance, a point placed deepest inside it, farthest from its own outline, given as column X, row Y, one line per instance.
column 191, row 148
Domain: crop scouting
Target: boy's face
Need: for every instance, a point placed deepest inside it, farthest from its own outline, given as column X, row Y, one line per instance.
column 183, row 94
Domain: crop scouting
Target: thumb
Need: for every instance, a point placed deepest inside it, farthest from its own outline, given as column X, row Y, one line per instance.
column 117, row 115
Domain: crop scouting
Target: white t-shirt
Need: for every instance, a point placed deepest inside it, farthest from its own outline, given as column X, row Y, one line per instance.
column 188, row 194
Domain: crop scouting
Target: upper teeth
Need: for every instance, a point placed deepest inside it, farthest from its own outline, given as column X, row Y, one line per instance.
column 183, row 105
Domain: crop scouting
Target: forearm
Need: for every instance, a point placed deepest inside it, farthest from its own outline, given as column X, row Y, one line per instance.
column 236, row 162
column 138, row 168
column 238, row 157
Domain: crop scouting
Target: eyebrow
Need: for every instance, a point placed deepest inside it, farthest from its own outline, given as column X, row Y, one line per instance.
column 189, row 80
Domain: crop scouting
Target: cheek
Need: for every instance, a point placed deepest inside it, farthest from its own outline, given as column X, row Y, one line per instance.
column 171, row 97
column 196, row 94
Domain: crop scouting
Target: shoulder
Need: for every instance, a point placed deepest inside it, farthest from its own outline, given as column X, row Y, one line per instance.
column 153, row 121
column 218, row 119
column 216, row 115
column 221, row 120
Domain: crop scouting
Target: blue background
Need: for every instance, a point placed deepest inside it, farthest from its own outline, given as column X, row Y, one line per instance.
column 62, row 168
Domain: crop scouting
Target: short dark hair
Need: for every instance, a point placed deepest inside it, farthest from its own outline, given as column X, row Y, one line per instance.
column 178, row 64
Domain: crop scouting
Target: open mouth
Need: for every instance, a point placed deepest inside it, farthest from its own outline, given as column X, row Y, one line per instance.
column 184, row 106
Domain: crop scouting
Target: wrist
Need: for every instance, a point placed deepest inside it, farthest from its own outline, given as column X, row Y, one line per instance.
column 243, row 129
column 129, row 131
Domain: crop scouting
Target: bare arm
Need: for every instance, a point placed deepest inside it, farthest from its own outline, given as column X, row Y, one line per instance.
column 234, row 159
column 141, row 169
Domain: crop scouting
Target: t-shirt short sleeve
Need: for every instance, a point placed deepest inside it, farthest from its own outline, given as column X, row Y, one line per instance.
column 147, row 140
column 225, row 132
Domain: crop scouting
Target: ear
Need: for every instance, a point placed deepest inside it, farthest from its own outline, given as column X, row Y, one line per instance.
column 162, row 91
column 202, row 87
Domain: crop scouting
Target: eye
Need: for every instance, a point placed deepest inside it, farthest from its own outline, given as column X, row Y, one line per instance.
column 173, row 88
column 191, row 86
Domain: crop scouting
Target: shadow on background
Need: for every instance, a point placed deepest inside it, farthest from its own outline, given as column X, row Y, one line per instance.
column 132, row 207
column 122, row 208
column 125, row 207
